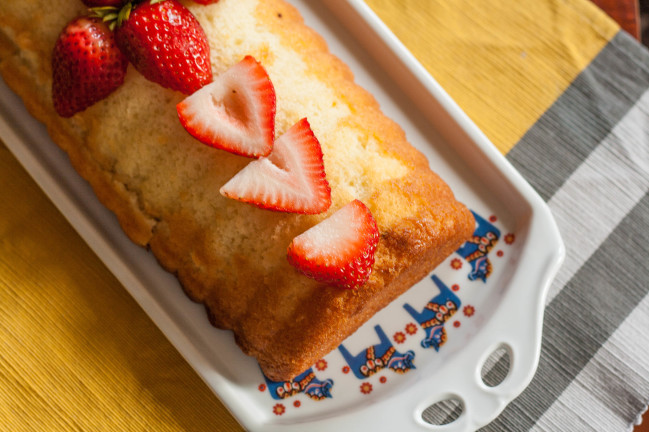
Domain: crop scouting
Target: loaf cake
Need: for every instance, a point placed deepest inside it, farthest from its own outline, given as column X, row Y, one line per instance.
column 163, row 184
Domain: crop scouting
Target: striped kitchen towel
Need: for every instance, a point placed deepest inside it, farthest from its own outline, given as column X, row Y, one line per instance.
column 562, row 92
column 588, row 156
column 558, row 88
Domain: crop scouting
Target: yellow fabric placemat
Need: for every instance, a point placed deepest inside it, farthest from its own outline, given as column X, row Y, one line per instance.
column 77, row 352
column 520, row 54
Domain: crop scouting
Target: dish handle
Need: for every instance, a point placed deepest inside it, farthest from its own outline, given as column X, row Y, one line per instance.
column 467, row 402
column 500, row 361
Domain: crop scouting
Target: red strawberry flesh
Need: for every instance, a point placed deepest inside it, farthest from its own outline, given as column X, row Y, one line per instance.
column 291, row 179
column 236, row 112
column 87, row 66
column 339, row 250
column 166, row 44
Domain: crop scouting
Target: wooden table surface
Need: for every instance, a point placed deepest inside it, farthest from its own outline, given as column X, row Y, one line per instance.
column 625, row 12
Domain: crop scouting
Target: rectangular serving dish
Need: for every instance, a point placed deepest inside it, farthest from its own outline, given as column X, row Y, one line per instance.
column 501, row 307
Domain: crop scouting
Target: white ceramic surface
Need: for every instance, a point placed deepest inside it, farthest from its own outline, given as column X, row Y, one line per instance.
column 504, row 309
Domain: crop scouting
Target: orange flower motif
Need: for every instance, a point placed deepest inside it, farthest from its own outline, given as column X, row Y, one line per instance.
column 411, row 328
column 366, row 388
column 399, row 337
column 456, row 263
column 468, row 310
column 321, row 364
column 510, row 238
column 279, row 409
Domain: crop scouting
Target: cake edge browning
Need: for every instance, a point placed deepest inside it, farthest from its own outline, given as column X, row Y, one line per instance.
column 111, row 193
column 407, row 252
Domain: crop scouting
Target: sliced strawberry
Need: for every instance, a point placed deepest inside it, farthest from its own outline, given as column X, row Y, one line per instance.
column 236, row 112
column 87, row 66
column 290, row 179
column 340, row 249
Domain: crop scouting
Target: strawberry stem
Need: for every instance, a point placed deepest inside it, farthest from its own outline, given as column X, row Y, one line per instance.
column 112, row 15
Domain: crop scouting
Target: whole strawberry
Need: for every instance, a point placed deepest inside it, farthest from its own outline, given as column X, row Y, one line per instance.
column 87, row 66
column 166, row 44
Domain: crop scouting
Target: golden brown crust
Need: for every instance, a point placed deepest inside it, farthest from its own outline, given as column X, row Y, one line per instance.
column 163, row 186
column 111, row 193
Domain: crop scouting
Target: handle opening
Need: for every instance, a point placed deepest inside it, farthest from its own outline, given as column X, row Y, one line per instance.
column 497, row 365
column 443, row 412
